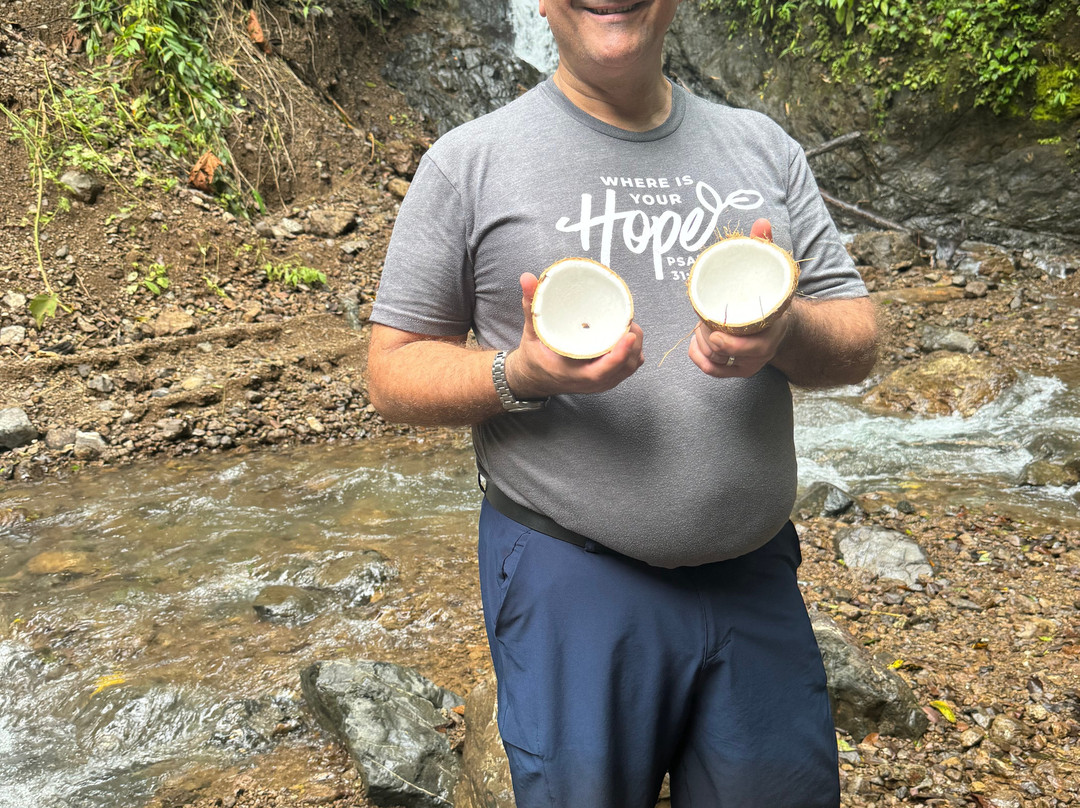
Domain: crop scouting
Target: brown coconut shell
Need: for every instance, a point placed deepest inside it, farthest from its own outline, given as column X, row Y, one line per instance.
column 768, row 312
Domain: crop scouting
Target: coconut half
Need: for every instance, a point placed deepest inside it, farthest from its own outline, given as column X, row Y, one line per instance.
column 742, row 284
column 581, row 308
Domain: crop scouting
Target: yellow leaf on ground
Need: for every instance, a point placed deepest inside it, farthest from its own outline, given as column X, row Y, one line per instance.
column 945, row 710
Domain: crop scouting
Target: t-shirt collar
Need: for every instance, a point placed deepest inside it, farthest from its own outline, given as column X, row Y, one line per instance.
column 674, row 119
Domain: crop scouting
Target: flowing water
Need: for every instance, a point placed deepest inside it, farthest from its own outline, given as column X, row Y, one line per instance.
column 131, row 648
column 533, row 41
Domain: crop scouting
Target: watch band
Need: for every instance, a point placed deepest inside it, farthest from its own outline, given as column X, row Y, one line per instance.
column 506, row 396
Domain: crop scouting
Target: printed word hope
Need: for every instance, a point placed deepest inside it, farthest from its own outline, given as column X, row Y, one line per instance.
column 658, row 233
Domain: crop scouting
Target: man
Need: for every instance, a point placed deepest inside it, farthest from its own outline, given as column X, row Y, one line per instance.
column 637, row 563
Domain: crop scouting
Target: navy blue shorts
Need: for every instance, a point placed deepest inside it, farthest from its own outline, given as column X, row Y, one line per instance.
column 612, row 672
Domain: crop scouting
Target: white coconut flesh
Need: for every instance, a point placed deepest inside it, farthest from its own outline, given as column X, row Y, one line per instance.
column 741, row 282
column 581, row 308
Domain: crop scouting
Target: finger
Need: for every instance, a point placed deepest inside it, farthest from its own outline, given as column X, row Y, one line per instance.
column 528, row 291
column 762, row 228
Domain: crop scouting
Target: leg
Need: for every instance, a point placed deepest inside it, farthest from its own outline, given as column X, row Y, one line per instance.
column 762, row 734
column 595, row 656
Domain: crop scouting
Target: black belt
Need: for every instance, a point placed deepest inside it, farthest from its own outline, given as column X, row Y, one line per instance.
column 531, row 519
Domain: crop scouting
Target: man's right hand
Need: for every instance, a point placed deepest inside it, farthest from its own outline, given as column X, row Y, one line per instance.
column 535, row 371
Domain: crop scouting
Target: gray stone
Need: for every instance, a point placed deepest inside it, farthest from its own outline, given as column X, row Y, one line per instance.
column 89, row 445
column 292, row 227
column 866, row 697
column 81, row 185
column 14, row 300
column 355, row 246
column 101, row 384
column 60, row 438
column 886, row 553
column 389, row 718
column 330, row 223
column 943, row 339
column 15, row 428
column 887, row 248
column 172, row 428
column 824, row 499
column 12, row 335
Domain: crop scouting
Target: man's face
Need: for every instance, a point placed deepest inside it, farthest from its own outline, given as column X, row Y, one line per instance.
column 605, row 35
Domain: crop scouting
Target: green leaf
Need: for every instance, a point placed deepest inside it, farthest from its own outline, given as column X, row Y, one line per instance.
column 43, row 306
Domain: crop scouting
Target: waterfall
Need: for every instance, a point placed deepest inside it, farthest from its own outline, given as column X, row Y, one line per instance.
column 532, row 37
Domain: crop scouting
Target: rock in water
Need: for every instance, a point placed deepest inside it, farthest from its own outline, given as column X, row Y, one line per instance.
column 390, row 719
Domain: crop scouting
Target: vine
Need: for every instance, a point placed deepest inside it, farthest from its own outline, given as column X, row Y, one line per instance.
column 1007, row 54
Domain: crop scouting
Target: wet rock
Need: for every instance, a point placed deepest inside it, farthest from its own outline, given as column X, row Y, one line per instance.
column 354, row 579
column 1045, row 472
column 986, row 260
column 285, row 604
column 866, row 697
column 12, row 335
column 330, row 223
column 887, row 248
column 824, row 499
column 82, row 186
column 485, row 771
column 389, row 718
column 942, row 384
column 886, row 553
column 61, row 562
column 15, row 428
column 89, row 445
column 943, row 339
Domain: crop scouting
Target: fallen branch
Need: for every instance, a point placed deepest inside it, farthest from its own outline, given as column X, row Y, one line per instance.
column 835, row 143
column 874, row 219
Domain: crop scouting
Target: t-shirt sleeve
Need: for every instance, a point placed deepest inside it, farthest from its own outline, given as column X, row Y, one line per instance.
column 826, row 269
column 427, row 280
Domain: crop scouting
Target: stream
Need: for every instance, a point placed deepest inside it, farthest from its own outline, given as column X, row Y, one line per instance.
column 143, row 628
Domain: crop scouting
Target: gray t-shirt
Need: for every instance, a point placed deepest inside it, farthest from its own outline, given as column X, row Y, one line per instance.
column 672, row 466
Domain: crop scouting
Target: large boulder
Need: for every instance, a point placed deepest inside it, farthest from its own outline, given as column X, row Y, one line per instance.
column 15, row 428
column 866, row 696
column 886, row 553
column 393, row 721
column 942, row 384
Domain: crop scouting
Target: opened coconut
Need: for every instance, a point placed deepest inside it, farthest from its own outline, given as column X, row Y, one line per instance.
column 742, row 284
column 581, row 308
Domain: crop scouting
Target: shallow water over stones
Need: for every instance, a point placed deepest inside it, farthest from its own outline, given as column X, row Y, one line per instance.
column 155, row 618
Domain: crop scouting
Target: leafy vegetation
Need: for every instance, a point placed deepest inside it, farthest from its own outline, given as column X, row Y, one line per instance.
column 293, row 272
column 1008, row 55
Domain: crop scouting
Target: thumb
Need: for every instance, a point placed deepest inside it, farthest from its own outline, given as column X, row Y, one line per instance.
column 528, row 290
column 762, row 229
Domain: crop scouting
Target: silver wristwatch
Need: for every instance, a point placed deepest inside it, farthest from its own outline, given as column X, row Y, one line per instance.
column 506, row 396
